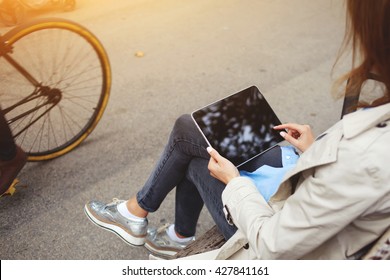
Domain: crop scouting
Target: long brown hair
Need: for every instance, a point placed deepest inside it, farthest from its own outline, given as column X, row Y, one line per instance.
column 368, row 33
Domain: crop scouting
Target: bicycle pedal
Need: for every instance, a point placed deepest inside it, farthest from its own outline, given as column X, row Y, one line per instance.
column 11, row 190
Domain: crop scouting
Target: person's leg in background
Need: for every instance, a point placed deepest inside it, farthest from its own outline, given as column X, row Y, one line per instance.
column 12, row 157
column 7, row 143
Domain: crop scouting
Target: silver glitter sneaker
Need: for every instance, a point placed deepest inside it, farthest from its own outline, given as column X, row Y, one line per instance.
column 160, row 244
column 107, row 216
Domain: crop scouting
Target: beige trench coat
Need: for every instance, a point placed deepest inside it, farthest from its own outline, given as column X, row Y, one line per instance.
column 341, row 202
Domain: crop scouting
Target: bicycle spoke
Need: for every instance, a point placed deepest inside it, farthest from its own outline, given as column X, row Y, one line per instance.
column 72, row 69
column 25, row 133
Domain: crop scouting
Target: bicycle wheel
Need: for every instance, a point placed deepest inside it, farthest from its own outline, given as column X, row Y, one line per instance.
column 68, row 61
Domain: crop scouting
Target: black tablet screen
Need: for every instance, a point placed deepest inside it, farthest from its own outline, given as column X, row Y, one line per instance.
column 239, row 126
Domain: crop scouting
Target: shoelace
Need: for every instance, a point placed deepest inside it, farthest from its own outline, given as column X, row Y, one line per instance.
column 115, row 201
column 163, row 228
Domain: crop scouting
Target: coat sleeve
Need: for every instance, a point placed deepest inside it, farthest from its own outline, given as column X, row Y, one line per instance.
column 327, row 199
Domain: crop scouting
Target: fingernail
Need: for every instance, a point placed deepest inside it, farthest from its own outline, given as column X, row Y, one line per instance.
column 282, row 133
column 209, row 149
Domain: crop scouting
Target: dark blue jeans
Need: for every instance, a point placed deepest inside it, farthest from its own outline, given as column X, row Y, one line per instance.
column 183, row 165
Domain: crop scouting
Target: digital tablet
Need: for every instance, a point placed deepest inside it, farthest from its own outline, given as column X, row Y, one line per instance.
column 239, row 126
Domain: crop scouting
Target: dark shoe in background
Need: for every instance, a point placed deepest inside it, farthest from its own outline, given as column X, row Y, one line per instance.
column 9, row 169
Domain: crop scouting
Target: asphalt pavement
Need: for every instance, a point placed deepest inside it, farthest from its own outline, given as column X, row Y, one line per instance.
column 195, row 52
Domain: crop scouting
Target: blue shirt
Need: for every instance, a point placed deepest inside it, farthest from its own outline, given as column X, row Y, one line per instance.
column 267, row 178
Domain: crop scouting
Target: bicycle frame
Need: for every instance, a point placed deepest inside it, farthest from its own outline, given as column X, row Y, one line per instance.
column 53, row 96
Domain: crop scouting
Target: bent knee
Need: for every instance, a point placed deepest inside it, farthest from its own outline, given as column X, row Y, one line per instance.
column 184, row 123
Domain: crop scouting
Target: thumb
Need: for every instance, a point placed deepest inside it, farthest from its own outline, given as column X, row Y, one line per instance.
column 213, row 153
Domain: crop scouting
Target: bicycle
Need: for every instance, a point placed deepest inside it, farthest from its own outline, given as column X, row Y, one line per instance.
column 14, row 11
column 55, row 79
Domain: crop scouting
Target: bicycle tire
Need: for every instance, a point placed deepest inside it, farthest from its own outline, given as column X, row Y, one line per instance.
column 84, row 85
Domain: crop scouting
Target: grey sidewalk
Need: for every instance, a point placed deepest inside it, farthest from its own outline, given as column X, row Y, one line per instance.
column 196, row 51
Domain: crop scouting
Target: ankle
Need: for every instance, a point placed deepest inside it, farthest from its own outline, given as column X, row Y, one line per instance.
column 179, row 235
column 122, row 209
column 134, row 208
column 175, row 236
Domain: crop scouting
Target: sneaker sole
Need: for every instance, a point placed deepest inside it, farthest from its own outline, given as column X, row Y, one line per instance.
column 124, row 235
column 158, row 251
